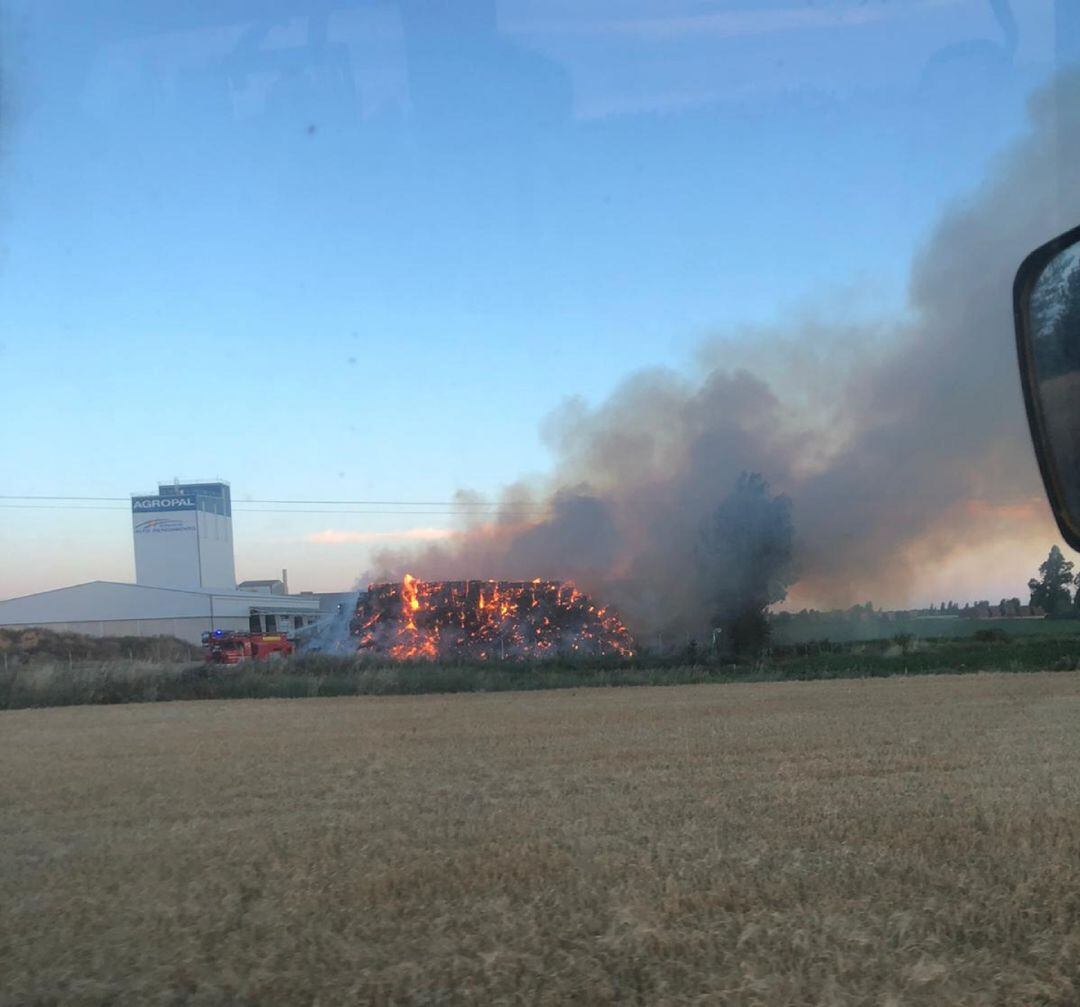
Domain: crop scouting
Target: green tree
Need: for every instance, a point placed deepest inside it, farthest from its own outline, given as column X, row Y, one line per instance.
column 745, row 555
column 1051, row 591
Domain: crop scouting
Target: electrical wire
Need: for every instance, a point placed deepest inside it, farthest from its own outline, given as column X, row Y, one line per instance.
column 297, row 510
column 457, row 505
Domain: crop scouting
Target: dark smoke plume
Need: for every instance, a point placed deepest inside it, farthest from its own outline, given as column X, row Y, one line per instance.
column 896, row 442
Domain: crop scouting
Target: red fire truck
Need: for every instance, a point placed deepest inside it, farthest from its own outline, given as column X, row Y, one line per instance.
column 226, row 647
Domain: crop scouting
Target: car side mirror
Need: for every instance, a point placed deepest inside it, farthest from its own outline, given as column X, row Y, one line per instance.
column 1046, row 308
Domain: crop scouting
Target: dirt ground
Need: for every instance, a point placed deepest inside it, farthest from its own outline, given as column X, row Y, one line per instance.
column 886, row 842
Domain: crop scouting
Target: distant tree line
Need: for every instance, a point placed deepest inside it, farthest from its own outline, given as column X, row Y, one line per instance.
column 1052, row 595
column 1011, row 608
column 745, row 559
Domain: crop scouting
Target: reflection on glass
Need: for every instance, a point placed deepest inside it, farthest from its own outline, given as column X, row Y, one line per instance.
column 1055, row 328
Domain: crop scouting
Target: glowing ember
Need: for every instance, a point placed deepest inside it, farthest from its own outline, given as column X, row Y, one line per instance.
column 484, row 619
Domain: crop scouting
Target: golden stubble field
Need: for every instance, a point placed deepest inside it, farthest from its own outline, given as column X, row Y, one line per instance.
column 901, row 841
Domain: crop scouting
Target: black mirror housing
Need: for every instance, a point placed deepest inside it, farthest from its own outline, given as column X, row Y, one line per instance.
column 1046, row 312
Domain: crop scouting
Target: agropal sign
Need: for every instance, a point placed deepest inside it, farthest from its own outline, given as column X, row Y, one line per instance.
column 160, row 504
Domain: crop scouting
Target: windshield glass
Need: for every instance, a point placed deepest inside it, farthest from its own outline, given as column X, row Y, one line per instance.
column 521, row 290
column 390, row 385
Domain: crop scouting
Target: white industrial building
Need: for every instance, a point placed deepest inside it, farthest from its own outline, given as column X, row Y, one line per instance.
column 185, row 580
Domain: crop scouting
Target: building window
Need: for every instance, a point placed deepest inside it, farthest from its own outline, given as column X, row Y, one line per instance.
column 253, row 624
column 271, row 623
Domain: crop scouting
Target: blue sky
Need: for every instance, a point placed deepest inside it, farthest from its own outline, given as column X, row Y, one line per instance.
column 361, row 256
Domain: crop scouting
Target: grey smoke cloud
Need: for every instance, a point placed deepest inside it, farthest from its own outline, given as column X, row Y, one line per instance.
column 884, row 435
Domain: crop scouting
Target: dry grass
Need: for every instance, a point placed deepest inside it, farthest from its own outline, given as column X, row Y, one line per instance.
column 898, row 841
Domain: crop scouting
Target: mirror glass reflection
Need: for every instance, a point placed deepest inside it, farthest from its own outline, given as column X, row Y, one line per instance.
column 1055, row 334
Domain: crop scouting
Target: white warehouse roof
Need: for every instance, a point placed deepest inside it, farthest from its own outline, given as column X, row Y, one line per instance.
column 108, row 608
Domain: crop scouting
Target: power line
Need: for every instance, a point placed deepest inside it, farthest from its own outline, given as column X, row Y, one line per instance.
column 457, row 505
column 452, row 513
column 281, row 510
column 389, row 503
column 11, row 506
column 16, row 496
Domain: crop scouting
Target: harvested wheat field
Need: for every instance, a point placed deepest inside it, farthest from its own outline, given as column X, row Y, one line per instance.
column 900, row 841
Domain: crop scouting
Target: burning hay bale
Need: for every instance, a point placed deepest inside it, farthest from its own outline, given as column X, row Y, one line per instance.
column 484, row 620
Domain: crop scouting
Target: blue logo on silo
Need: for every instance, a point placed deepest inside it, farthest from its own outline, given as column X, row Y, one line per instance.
column 159, row 524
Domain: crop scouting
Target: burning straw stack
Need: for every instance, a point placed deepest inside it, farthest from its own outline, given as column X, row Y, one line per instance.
column 484, row 620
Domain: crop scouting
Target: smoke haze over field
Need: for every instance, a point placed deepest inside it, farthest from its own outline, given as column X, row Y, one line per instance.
column 900, row 443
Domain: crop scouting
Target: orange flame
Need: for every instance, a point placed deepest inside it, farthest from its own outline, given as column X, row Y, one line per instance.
column 500, row 619
column 408, row 592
